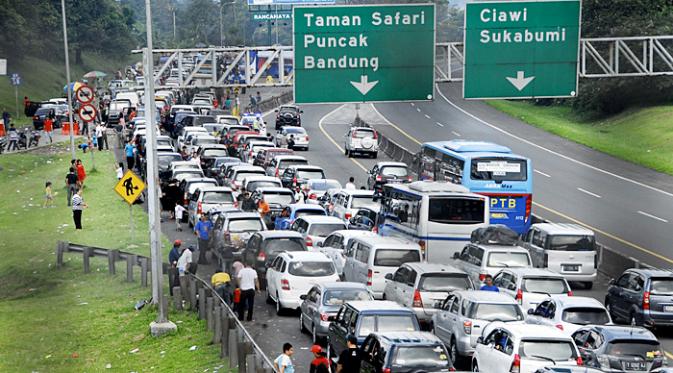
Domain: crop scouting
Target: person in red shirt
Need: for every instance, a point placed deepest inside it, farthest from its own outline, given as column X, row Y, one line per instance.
column 49, row 127
column 320, row 363
column 81, row 173
column 132, row 115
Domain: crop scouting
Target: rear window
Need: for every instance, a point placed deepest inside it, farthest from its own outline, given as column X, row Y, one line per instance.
column 444, row 282
column 456, row 211
column 585, row 316
column 363, row 201
column 421, row 356
column 291, row 162
column 361, row 134
column 283, row 244
column 311, row 269
column 207, row 140
column 496, row 312
column 506, row 260
column 397, row 171
column 263, row 184
column 661, row 286
column 215, row 153
column 165, row 161
column 324, row 185
column 395, row 258
column 278, row 199
column 324, row 230
column 200, row 185
column 295, row 130
column 643, row 349
column 544, row 285
column 499, row 169
column 310, row 175
column 554, row 350
column 387, row 323
column 245, row 225
column 300, row 213
column 572, row 243
column 243, row 174
column 338, row 297
column 218, row 197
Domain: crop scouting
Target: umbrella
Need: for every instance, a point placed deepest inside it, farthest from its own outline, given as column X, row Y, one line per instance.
column 73, row 86
column 95, row 74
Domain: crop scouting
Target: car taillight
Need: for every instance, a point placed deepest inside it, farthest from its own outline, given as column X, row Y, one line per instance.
column 294, row 180
column 529, row 204
column 199, row 209
column 309, row 241
column 559, row 326
column 570, row 293
column 306, row 138
column 370, row 274
column 312, row 196
column 386, row 370
column 376, row 135
column 250, row 153
column 482, row 276
column 378, row 178
column 35, row 117
column 646, row 300
column 261, row 257
column 467, row 327
column 580, row 362
column 276, row 172
column 285, row 284
column 519, row 296
column 348, row 215
column 410, row 179
column 418, row 302
column 545, row 261
column 516, row 364
column 324, row 316
column 353, row 135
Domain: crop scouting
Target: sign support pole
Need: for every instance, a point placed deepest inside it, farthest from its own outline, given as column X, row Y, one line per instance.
column 131, row 222
column 162, row 325
column 68, row 86
column 16, row 97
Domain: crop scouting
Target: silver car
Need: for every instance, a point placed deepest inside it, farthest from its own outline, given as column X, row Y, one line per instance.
column 462, row 316
column 325, row 300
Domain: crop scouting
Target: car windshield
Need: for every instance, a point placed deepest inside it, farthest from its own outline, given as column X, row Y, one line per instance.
column 661, row 286
column 572, row 243
column 274, row 245
column 245, row 225
column 337, row 297
column 499, row 312
column 288, row 110
column 444, row 282
column 214, row 153
column 395, row 258
column 240, row 176
column 310, row 212
column 499, row 169
column 187, row 174
column 305, row 174
column 507, row 260
column 311, row 269
column 292, row 162
column 324, row 230
column 586, row 316
column 643, row 349
column 396, row 171
column 323, row 184
column 456, row 210
column 218, row 197
column 421, row 356
column 554, row 350
column 544, row 285
column 363, row 201
column 391, row 323
column 279, row 198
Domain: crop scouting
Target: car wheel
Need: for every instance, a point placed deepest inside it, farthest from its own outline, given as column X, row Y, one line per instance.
column 302, row 328
column 314, row 335
column 475, row 366
column 279, row 308
column 268, row 297
column 453, row 350
column 588, row 285
column 345, row 151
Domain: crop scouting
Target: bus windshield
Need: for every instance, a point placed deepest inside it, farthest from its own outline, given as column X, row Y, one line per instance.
column 499, row 169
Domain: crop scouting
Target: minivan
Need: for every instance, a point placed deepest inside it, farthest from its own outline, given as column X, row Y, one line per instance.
column 370, row 259
column 642, row 297
column 348, row 202
column 401, row 352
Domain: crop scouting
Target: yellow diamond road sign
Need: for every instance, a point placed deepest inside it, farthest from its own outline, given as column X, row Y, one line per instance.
column 130, row 187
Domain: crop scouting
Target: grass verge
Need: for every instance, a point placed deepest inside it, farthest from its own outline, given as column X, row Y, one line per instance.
column 642, row 135
column 65, row 321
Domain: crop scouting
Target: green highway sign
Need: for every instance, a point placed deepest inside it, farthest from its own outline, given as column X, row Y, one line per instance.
column 521, row 49
column 367, row 53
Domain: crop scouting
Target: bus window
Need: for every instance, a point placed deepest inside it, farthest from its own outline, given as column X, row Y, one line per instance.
column 456, row 211
column 499, row 169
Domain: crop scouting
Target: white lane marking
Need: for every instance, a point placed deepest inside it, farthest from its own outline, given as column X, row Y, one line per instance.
column 652, row 216
column 427, row 116
column 439, row 124
column 333, row 141
column 418, row 109
column 541, row 173
column 620, row 177
column 455, row 133
column 589, row 193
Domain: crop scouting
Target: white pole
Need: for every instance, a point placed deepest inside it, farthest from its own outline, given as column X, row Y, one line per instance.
column 161, row 325
column 67, row 77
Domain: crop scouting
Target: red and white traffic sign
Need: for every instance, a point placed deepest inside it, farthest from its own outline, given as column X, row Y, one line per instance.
column 87, row 113
column 84, row 94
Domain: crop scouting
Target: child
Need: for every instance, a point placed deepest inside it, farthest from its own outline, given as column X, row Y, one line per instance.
column 120, row 171
column 48, row 195
column 179, row 210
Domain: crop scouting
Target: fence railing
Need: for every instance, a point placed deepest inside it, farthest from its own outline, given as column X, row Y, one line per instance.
column 194, row 294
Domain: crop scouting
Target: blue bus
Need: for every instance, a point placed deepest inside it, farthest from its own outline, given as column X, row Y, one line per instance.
column 488, row 169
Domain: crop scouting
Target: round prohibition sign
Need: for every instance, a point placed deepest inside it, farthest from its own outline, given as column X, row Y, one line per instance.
column 87, row 113
column 84, row 94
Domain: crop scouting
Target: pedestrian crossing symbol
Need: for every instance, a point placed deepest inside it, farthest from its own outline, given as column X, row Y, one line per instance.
column 130, row 187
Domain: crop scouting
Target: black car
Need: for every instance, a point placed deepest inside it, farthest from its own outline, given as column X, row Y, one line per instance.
column 264, row 246
column 641, row 297
column 288, row 115
column 297, row 175
column 164, row 164
column 387, row 172
column 399, row 352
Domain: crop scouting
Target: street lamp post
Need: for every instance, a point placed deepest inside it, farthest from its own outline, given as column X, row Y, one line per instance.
column 222, row 20
column 68, row 87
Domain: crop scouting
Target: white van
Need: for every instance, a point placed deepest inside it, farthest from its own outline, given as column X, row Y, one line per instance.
column 568, row 249
column 370, row 259
column 131, row 96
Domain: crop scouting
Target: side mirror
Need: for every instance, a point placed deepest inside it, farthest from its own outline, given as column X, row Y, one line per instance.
column 531, row 311
column 275, row 111
column 301, row 111
column 480, row 340
column 303, row 297
column 389, row 276
column 456, row 255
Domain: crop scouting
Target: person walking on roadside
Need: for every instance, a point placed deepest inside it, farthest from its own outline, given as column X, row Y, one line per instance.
column 350, row 358
column 49, row 127
column 185, row 262
column 248, row 282
column 202, row 230
column 48, row 195
column 283, row 363
column 320, row 363
column 99, row 136
column 81, row 173
column 5, row 117
column 173, row 257
column 350, row 185
column 71, row 183
column 130, row 151
column 77, row 206
column 13, row 138
column 179, row 213
column 119, row 171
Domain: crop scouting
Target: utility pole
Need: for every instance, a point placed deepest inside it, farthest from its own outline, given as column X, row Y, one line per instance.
column 161, row 325
column 68, row 86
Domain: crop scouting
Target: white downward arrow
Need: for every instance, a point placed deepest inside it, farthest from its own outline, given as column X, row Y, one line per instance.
column 520, row 82
column 364, row 86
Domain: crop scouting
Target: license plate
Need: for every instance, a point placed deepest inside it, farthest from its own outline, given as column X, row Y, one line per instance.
column 668, row 308
column 634, row 365
column 498, row 215
column 571, row 267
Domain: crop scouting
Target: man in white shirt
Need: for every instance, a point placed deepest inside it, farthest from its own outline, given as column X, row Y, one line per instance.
column 179, row 211
column 248, row 282
column 99, row 136
column 350, row 185
column 185, row 260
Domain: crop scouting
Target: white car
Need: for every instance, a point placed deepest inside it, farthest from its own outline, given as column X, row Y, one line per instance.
column 335, row 243
column 301, row 139
column 523, row 348
column 316, row 188
column 253, row 182
column 569, row 313
column 529, row 286
column 293, row 274
column 205, row 198
column 316, row 228
column 363, row 140
column 347, row 202
column 254, row 147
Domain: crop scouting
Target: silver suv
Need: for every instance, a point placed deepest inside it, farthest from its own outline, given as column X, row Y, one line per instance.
column 481, row 260
column 363, row 140
column 462, row 316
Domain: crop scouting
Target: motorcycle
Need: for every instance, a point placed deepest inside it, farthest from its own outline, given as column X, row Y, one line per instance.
column 34, row 138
